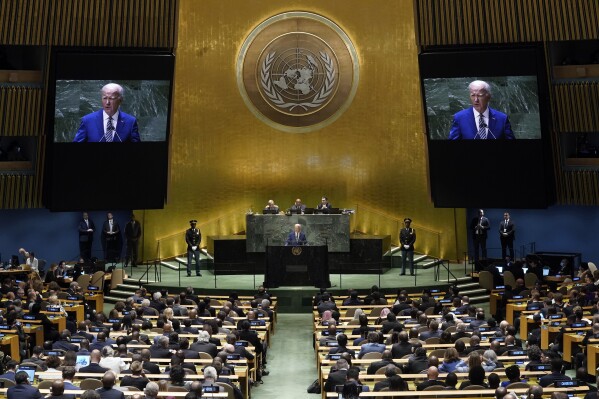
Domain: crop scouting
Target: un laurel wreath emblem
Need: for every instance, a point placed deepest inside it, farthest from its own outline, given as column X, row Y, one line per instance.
column 297, row 251
column 297, row 71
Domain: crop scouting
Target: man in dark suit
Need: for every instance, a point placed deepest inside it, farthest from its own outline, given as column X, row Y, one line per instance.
column 11, row 366
column 556, row 373
column 407, row 238
column 36, row 354
column 386, row 359
column 107, row 391
column 391, row 324
column 342, row 346
column 193, row 238
column 57, row 391
column 132, row 235
column 108, row 125
column 111, row 238
column 152, row 368
column 324, row 206
column 23, row 389
column 65, row 342
column 431, row 379
column 94, row 363
column 390, row 371
column 82, row 332
column 507, row 234
column 296, row 237
column 86, row 237
column 403, row 347
column 298, row 207
column 479, row 226
column 337, row 376
column 432, row 332
column 480, row 122
column 160, row 349
column 203, row 344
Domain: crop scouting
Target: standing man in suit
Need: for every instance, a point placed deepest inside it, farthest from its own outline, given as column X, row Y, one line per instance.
column 480, row 122
column 111, row 238
column 296, row 237
column 108, row 125
column 86, row 237
column 407, row 238
column 23, row 388
column 298, row 207
column 132, row 234
column 507, row 234
column 193, row 238
column 479, row 226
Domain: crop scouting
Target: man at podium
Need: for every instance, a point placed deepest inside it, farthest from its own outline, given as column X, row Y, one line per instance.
column 296, row 237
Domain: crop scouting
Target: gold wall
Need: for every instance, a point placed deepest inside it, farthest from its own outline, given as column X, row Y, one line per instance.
column 224, row 160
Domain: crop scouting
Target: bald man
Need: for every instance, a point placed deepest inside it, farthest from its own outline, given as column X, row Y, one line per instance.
column 431, row 379
column 107, row 391
column 110, row 124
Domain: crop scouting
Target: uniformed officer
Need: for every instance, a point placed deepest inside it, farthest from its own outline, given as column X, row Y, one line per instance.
column 407, row 238
column 193, row 237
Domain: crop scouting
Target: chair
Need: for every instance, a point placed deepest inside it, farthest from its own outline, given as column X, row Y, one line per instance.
column 353, row 322
column 6, row 383
column 90, row 383
column 174, row 388
column 422, row 329
column 228, row 389
column 157, row 329
column 118, row 277
column 47, row 384
column 485, row 280
column 466, row 340
column 474, row 387
column 84, row 280
column 151, row 311
column 204, row 355
column 350, row 312
column 509, row 279
column 372, row 355
column 129, row 388
column 97, row 279
column 530, row 279
column 434, row 388
column 439, row 353
column 406, row 356
column 62, row 295
column 429, row 311
column 432, row 340
column 375, row 312
column 451, row 329
column 215, row 302
column 381, row 370
column 515, row 385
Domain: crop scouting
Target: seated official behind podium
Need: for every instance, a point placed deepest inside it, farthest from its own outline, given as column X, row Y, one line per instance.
column 296, row 237
column 324, row 206
column 298, row 207
column 272, row 207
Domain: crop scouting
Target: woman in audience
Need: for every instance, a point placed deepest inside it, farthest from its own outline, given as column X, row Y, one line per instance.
column 136, row 378
column 53, row 363
column 350, row 390
column 327, row 315
column 445, row 338
column 476, row 376
column 474, row 359
column 450, row 361
column 490, row 360
column 535, row 356
column 70, row 360
column 168, row 315
column 177, row 377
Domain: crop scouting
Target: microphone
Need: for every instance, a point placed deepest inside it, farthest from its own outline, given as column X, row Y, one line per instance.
column 116, row 134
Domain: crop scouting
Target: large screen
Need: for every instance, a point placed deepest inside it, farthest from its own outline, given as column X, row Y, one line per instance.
column 107, row 129
column 487, row 123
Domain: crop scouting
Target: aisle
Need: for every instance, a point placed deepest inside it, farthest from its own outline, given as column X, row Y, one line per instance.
column 291, row 360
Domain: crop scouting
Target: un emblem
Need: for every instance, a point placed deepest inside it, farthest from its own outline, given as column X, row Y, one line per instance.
column 297, row 71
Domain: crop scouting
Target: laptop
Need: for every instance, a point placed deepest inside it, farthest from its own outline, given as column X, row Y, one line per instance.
column 545, row 271
column 82, row 361
column 269, row 211
column 499, row 269
column 309, row 211
column 334, row 211
column 30, row 370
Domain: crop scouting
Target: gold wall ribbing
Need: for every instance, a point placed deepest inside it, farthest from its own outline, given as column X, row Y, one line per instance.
column 89, row 23
column 442, row 22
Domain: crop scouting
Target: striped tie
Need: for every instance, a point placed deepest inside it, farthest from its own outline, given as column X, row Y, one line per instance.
column 482, row 127
column 109, row 135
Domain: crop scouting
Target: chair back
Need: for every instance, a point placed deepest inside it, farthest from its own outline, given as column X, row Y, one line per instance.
column 372, row 355
column 509, row 279
column 97, row 279
column 204, row 355
column 432, row 340
column 434, row 388
column 228, row 389
column 350, row 312
column 46, row 384
column 84, row 280
column 174, row 388
column 6, row 383
column 485, row 280
column 474, row 387
column 118, row 276
column 439, row 353
column 90, row 383
column 530, row 279
column 515, row 385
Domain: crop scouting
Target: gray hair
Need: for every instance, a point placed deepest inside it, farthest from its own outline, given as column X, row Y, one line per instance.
column 145, row 302
column 163, row 341
column 490, row 355
column 210, row 372
column 114, row 86
column 461, row 327
column 265, row 302
column 480, row 83
column 203, row 336
column 151, row 389
column 157, row 295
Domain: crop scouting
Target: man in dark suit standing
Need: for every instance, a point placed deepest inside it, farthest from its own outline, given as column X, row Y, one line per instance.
column 193, row 238
column 479, row 226
column 296, row 237
column 507, row 234
column 132, row 235
column 108, row 125
column 111, row 238
column 407, row 238
column 23, row 389
column 86, row 237
column 480, row 122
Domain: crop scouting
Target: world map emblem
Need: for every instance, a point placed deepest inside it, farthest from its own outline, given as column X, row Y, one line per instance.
column 297, row 72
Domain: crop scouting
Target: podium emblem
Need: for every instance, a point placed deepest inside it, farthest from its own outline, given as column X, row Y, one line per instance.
column 296, row 251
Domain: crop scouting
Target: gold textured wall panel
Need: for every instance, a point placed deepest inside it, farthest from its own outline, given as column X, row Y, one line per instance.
column 224, row 160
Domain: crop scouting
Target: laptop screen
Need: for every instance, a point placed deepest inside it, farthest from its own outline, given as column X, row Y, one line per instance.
column 545, row 272
column 30, row 370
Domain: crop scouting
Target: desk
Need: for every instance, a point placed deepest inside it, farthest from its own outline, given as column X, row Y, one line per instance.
column 331, row 230
column 548, row 335
column 511, row 309
column 36, row 332
column 297, row 266
column 592, row 354
column 569, row 340
column 97, row 299
column 12, row 342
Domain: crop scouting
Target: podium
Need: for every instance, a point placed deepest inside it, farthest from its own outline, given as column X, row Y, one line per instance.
column 297, row 266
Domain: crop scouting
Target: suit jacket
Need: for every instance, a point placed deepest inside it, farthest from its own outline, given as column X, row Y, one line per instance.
column 335, row 378
column 23, row 391
column 110, row 393
column 84, row 235
column 132, row 231
column 549, row 379
column 407, row 236
column 428, row 383
column 193, row 238
column 401, row 349
column 371, row 347
column 205, row 347
column 465, row 126
column 65, row 346
column 93, row 368
column 508, row 228
column 480, row 224
column 91, row 128
column 292, row 240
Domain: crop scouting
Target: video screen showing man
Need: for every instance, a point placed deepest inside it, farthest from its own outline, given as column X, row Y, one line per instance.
column 139, row 111
column 110, row 124
column 480, row 122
